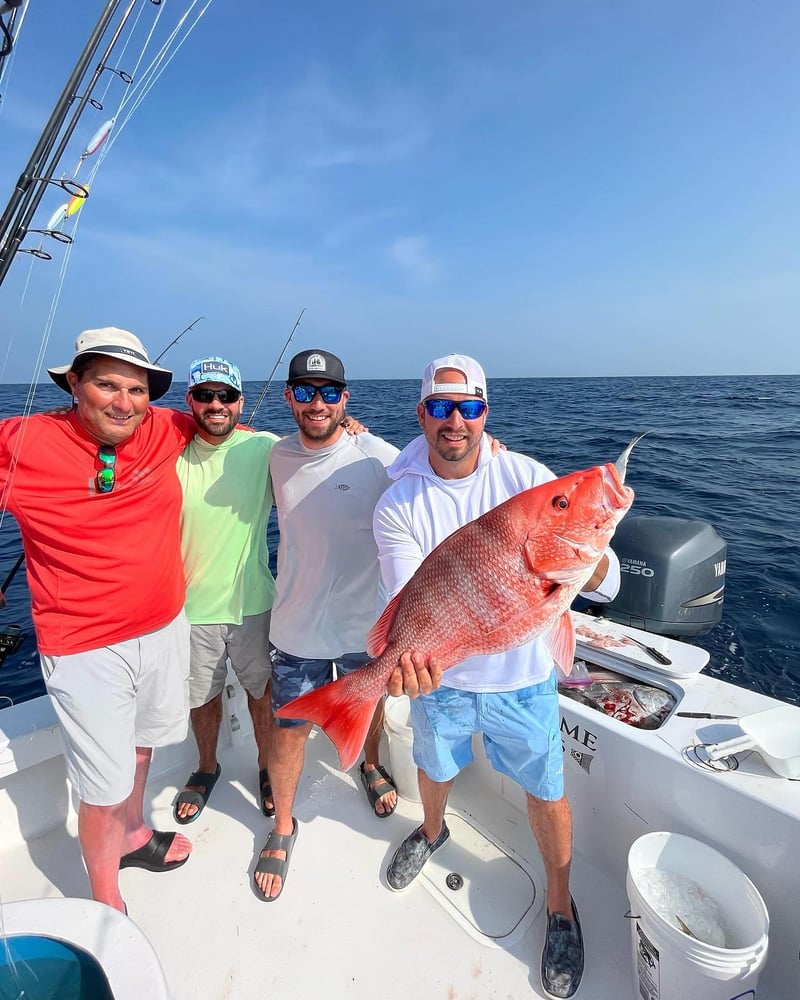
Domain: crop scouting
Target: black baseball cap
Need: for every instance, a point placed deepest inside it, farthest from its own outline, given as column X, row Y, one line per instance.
column 316, row 364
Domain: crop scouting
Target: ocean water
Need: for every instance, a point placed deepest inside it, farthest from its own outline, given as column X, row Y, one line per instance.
column 721, row 449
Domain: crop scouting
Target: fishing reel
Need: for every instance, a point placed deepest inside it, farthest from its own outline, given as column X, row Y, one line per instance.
column 11, row 638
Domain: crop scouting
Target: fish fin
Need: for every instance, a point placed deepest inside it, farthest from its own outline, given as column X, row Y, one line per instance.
column 512, row 630
column 561, row 642
column 529, row 550
column 548, row 578
column 341, row 710
column 378, row 638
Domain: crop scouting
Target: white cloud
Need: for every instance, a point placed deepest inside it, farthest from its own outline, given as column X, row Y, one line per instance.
column 412, row 255
column 339, row 126
column 354, row 227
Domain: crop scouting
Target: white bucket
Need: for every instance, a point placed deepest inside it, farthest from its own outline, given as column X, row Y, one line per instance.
column 671, row 965
column 396, row 722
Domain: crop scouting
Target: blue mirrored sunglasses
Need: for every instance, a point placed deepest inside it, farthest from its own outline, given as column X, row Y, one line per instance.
column 304, row 393
column 441, row 409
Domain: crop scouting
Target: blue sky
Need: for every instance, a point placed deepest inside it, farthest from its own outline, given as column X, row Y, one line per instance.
column 555, row 187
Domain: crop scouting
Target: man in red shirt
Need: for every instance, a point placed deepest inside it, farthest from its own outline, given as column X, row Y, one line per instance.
column 97, row 500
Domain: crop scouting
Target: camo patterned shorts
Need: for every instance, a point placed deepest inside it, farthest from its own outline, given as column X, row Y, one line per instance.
column 294, row 675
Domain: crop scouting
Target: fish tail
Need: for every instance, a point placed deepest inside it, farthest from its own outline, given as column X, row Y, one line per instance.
column 342, row 710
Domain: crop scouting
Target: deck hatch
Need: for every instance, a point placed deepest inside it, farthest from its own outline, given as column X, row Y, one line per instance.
column 496, row 897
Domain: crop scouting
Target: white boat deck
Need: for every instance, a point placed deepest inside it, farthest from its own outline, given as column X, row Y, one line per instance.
column 337, row 930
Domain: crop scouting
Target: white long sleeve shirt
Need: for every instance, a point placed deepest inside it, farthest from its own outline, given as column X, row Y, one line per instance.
column 419, row 510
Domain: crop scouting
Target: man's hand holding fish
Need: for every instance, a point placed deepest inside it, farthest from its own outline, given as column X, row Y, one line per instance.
column 415, row 674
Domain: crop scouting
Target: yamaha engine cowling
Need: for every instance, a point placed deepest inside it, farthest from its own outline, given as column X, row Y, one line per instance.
column 673, row 575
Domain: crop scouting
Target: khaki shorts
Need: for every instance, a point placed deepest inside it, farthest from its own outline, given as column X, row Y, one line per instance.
column 113, row 699
column 246, row 646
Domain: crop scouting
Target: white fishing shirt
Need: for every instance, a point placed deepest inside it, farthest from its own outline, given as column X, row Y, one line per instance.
column 420, row 510
column 326, row 597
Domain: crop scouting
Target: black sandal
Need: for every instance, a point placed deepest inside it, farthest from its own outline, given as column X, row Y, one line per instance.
column 265, row 790
column 275, row 866
column 203, row 780
column 374, row 792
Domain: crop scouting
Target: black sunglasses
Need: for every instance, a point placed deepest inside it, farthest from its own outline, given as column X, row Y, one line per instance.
column 223, row 395
column 305, row 393
column 441, row 409
column 105, row 478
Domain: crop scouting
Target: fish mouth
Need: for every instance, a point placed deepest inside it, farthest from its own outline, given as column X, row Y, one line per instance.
column 617, row 496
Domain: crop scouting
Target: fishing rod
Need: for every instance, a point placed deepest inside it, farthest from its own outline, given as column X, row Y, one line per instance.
column 11, row 636
column 275, row 368
column 175, row 341
column 35, row 177
column 9, row 578
column 8, row 32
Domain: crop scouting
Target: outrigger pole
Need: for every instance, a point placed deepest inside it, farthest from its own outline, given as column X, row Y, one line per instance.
column 275, row 368
column 34, row 179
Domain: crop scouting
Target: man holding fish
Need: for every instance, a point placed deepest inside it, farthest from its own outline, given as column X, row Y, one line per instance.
column 484, row 554
column 445, row 479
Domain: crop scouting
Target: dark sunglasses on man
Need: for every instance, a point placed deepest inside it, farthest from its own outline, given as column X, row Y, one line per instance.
column 223, row 395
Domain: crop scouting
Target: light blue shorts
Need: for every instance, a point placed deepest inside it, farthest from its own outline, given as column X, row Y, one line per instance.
column 294, row 675
column 520, row 733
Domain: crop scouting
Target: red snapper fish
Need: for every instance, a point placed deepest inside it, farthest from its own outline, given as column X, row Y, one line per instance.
column 495, row 583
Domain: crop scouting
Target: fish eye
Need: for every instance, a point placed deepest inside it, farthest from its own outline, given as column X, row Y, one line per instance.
column 560, row 502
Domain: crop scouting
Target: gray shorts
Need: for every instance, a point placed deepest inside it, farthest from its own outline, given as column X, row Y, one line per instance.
column 113, row 699
column 245, row 645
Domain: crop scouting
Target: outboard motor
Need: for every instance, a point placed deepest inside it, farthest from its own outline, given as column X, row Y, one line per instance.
column 673, row 576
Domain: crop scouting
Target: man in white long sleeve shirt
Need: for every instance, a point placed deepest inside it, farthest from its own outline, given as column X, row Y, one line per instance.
column 444, row 479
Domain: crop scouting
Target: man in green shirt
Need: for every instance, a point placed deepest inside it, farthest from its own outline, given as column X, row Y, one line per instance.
column 227, row 498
